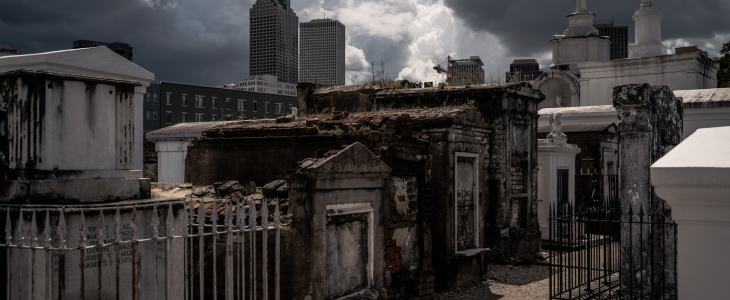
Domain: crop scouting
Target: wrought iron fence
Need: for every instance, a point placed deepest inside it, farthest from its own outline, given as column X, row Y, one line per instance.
column 597, row 189
column 141, row 258
column 602, row 254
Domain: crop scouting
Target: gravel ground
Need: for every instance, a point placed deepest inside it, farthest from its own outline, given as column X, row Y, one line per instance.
column 505, row 282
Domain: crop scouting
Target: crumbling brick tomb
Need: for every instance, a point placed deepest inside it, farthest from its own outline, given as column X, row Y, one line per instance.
column 452, row 185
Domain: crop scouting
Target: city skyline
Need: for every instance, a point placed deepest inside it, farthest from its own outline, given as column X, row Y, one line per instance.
column 191, row 41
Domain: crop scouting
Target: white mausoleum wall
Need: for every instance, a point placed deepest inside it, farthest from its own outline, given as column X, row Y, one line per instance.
column 694, row 179
column 100, row 62
column 688, row 71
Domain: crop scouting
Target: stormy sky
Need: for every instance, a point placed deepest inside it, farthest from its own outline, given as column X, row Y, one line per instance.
column 206, row 41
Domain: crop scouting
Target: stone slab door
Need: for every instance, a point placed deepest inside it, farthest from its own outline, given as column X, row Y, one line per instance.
column 347, row 253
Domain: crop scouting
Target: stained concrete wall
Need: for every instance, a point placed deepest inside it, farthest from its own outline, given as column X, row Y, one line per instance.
column 331, row 199
column 260, row 160
column 57, row 126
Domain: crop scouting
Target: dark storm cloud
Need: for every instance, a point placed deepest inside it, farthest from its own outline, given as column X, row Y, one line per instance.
column 526, row 26
column 191, row 41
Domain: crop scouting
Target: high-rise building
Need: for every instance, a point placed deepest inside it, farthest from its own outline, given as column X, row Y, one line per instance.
column 619, row 36
column 6, row 50
column 322, row 52
column 274, row 35
column 524, row 70
column 122, row 49
column 472, row 66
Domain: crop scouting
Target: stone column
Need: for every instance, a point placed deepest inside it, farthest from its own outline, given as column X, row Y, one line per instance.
column 650, row 124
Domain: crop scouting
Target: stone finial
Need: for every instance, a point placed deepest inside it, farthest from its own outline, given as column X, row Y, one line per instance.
column 556, row 127
column 580, row 21
column 647, row 3
column 580, row 6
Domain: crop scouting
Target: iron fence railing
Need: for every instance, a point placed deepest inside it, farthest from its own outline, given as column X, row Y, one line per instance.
column 198, row 244
column 601, row 254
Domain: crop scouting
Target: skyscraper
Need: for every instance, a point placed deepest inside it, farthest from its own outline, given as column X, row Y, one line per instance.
column 619, row 37
column 274, row 40
column 120, row 48
column 322, row 52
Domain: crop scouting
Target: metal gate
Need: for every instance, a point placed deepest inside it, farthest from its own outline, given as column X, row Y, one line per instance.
column 604, row 254
column 181, row 250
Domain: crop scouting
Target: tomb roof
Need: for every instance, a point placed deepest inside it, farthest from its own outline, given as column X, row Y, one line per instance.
column 68, row 76
column 705, row 98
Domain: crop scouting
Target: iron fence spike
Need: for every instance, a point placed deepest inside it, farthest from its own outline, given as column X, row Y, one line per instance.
column 631, row 210
column 134, row 223
column 117, row 227
column 192, row 210
column 240, row 214
column 252, row 214
column 169, row 221
column 265, row 213
column 100, row 229
column 8, row 228
column 21, row 230
column 47, row 230
column 82, row 230
column 227, row 214
column 277, row 221
column 201, row 217
column 641, row 211
column 154, row 223
column 214, row 217
column 62, row 231
column 186, row 220
column 33, row 230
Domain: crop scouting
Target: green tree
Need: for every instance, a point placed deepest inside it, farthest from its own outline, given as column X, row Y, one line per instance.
column 723, row 74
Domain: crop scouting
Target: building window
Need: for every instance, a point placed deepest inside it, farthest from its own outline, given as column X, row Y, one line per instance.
column 198, row 101
column 266, row 107
column 563, row 186
column 169, row 117
column 212, row 103
column 184, row 100
column 228, row 103
column 154, row 97
column 168, row 101
column 280, row 108
column 184, row 117
column 149, row 114
column 241, row 105
column 154, row 115
column 148, row 97
column 214, row 118
column 254, row 107
column 199, row 118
